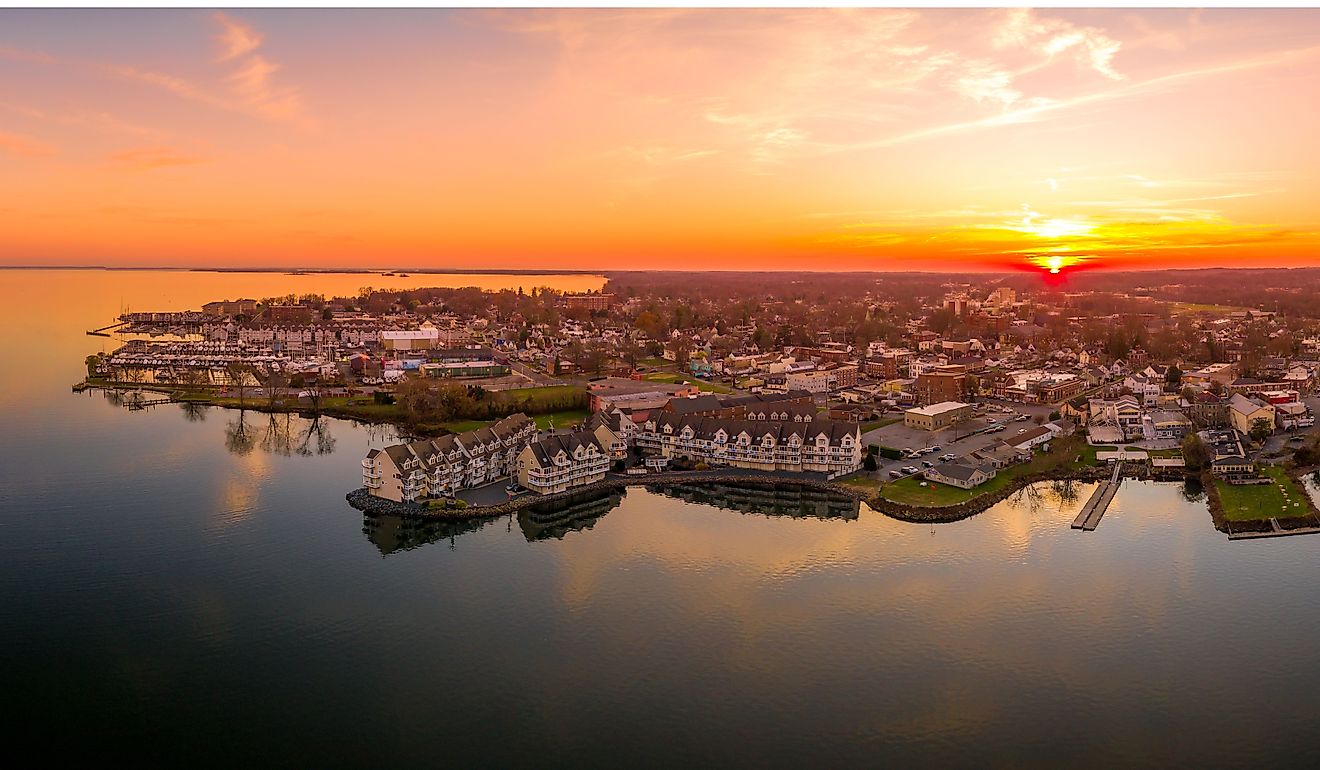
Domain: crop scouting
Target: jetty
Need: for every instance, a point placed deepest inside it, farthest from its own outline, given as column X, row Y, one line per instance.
column 1089, row 517
column 104, row 330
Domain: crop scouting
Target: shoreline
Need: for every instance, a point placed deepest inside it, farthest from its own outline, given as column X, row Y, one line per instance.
column 371, row 505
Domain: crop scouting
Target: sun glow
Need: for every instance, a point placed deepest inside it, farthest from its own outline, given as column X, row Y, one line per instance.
column 1057, row 228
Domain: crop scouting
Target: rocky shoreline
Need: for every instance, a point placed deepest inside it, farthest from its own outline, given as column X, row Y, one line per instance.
column 376, row 506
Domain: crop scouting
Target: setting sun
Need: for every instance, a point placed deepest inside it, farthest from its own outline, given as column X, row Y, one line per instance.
column 595, row 139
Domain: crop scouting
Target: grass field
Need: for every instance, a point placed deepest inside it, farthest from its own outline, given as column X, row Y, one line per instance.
column 702, row 385
column 910, row 491
column 872, row 425
column 1263, row 501
column 561, row 419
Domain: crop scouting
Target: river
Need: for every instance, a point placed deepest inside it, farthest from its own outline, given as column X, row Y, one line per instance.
column 185, row 587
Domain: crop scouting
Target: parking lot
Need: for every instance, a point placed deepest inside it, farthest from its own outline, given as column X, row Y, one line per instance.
column 958, row 441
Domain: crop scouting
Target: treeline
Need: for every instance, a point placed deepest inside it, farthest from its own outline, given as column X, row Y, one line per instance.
column 429, row 403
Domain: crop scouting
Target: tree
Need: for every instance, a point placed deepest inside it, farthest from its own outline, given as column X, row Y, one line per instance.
column 1260, row 429
column 1172, row 377
column 869, row 462
column 1195, row 453
column 273, row 381
column 238, row 375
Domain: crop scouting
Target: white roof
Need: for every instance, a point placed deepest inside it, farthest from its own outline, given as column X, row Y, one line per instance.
column 411, row 334
column 940, row 408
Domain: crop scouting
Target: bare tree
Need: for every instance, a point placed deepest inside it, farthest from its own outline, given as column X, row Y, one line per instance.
column 238, row 372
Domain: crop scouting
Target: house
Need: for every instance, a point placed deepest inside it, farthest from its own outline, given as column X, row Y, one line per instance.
column 1243, row 412
column 562, row 462
column 1030, row 438
column 441, row 466
column 1165, row 424
column 961, row 475
column 1228, row 456
column 1146, row 389
column 1001, row 455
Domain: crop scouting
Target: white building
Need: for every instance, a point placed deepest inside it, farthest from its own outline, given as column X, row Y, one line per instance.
column 439, row 467
column 562, row 462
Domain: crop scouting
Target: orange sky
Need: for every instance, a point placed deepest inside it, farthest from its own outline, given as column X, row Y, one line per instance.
column 778, row 139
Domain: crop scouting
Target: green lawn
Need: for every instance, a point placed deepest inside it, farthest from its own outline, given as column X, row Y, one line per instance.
column 561, row 419
column 1263, row 501
column 910, row 491
column 861, row 481
column 872, row 425
column 702, row 385
column 463, row 426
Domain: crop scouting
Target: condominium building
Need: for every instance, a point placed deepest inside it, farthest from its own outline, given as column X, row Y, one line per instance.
column 822, row 446
column 561, row 462
column 439, row 467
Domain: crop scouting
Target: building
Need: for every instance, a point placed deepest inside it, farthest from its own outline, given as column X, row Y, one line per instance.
column 822, row 446
column 587, row 301
column 246, row 307
column 439, row 467
column 1293, row 414
column 288, row 314
column 562, row 462
column 961, row 475
column 458, row 369
column 1222, row 373
column 1165, row 424
column 1228, row 456
column 1243, row 412
column 942, row 383
column 937, row 416
column 1031, row 438
column 410, row 339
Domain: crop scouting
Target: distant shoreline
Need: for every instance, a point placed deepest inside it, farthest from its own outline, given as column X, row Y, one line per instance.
column 608, row 272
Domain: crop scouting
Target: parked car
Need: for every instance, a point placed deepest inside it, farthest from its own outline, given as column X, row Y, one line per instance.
column 910, row 469
column 936, row 448
column 949, row 457
column 896, row 474
column 928, row 463
column 1020, row 418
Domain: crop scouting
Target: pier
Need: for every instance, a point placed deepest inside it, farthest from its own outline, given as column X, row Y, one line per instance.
column 103, row 331
column 1089, row 517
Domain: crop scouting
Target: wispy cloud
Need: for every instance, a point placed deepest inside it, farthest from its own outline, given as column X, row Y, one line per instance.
column 235, row 38
column 247, row 87
column 20, row 54
column 148, row 158
column 25, row 146
column 1052, row 37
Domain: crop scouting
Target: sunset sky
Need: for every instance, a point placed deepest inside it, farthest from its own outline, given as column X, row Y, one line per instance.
column 732, row 139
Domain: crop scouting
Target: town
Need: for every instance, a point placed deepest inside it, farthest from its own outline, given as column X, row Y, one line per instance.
column 923, row 389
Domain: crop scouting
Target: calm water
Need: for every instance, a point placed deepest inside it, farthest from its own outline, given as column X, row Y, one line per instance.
column 185, row 587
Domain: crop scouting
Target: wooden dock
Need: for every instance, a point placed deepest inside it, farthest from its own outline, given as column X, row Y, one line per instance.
column 1089, row 517
column 102, row 332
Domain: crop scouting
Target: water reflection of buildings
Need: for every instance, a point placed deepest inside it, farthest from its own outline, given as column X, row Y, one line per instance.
column 540, row 522
column 766, row 499
column 391, row 534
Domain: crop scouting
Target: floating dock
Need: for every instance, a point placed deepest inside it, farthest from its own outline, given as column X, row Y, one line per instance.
column 1089, row 517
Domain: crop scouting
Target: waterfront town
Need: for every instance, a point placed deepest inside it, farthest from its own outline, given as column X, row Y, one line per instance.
column 920, row 390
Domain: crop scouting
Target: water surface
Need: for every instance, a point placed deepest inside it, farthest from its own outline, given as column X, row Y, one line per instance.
column 185, row 586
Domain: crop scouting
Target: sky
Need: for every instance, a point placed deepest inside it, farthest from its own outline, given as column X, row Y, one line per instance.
column 887, row 139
